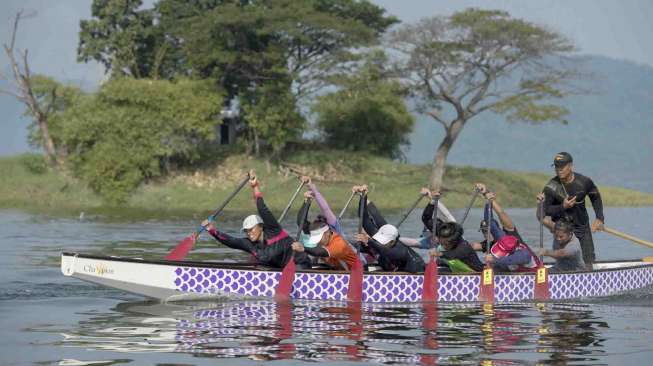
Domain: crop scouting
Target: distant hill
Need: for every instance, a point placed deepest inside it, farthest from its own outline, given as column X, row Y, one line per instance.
column 610, row 133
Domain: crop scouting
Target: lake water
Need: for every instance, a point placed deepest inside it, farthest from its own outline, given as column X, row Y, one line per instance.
column 49, row 319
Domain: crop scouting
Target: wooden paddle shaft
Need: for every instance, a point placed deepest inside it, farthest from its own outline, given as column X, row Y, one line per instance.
column 346, row 205
column 489, row 223
column 292, row 199
column 469, row 207
column 540, row 207
column 419, row 199
column 628, row 237
column 434, row 218
column 233, row 194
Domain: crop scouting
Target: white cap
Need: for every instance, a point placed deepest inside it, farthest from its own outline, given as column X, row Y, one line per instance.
column 316, row 235
column 251, row 221
column 386, row 234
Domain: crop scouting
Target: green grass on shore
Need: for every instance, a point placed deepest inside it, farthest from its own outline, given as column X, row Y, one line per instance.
column 393, row 186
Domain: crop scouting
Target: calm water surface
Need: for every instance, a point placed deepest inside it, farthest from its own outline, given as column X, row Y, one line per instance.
column 49, row 319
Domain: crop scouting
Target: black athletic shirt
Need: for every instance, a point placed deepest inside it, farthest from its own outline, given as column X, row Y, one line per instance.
column 466, row 254
column 398, row 257
column 427, row 216
column 275, row 250
column 555, row 192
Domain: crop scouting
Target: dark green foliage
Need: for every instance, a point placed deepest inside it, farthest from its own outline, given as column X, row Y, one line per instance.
column 272, row 117
column 367, row 114
column 122, row 37
column 131, row 129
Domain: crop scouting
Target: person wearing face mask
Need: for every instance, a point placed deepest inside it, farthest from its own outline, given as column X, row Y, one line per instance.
column 564, row 199
column 266, row 240
column 324, row 242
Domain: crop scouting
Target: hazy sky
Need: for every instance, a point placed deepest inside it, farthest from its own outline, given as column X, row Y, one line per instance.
column 618, row 29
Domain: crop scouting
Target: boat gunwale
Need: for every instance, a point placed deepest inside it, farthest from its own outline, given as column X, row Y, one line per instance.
column 259, row 268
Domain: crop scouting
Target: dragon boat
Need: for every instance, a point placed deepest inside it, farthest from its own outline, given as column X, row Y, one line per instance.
column 188, row 280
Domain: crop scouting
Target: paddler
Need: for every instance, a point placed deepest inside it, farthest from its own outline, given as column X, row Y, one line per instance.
column 566, row 248
column 384, row 241
column 266, row 240
column 323, row 236
column 455, row 248
column 325, row 243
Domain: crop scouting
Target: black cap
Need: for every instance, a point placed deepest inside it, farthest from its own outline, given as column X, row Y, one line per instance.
column 561, row 159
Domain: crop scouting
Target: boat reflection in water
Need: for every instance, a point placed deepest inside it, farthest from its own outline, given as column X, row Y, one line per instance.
column 426, row 334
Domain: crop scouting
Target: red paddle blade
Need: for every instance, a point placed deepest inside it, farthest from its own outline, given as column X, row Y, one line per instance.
column 284, row 311
column 486, row 291
column 356, row 330
column 282, row 291
column 430, row 284
column 355, row 289
column 182, row 249
column 541, row 290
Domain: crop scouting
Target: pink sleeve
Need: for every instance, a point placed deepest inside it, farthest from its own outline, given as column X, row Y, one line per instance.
column 324, row 206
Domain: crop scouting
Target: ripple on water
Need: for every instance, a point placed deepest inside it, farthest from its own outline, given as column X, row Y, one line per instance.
column 607, row 331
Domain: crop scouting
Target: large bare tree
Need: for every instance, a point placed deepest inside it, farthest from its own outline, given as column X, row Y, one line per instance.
column 460, row 66
column 20, row 87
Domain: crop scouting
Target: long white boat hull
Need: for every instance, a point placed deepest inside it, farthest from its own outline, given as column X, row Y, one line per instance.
column 170, row 281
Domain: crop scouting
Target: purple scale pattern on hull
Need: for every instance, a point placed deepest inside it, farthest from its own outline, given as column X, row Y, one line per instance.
column 408, row 288
column 513, row 288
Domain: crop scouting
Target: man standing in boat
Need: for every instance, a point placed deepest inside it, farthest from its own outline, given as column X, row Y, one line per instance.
column 564, row 198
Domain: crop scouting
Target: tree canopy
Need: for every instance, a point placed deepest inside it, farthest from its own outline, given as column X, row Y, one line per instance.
column 474, row 61
column 367, row 113
column 131, row 130
column 252, row 50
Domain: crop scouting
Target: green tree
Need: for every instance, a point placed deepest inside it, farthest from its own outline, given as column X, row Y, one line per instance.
column 123, row 38
column 247, row 48
column 247, row 43
column 368, row 113
column 272, row 118
column 476, row 61
column 132, row 129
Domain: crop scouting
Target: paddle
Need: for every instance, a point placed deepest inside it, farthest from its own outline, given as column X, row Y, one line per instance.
column 628, row 237
column 182, row 249
column 355, row 288
column 430, row 283
column 410, row 210
column 284, row 287
column 486, row 291
column 292, row 199
column 540, row 207
column 541, row 290
column 469, row 207
column 342, row 212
